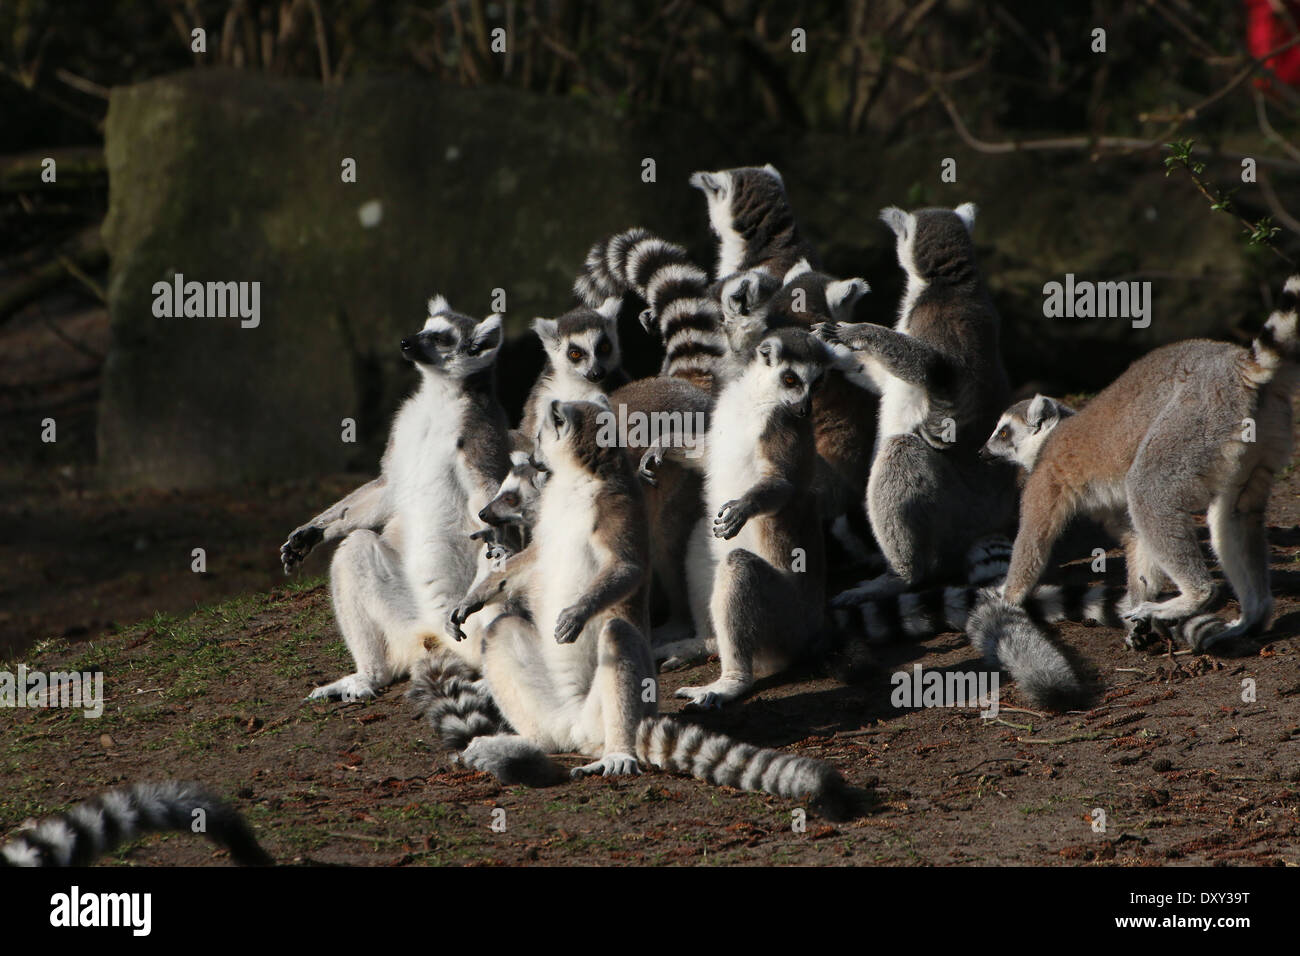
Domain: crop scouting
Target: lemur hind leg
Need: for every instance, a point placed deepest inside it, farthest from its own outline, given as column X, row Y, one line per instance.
column 1163, row 522
column 756, row 610
column 1240, row 538
column 376, row 612
column 617, row 700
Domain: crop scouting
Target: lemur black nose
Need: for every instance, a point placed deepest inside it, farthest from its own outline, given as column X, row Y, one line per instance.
column 407, row 345
column 484, row 516
column 985, row 454
column 595, row 374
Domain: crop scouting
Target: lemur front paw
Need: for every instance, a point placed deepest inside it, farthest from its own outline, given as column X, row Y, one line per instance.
column 731, row 518
column 463, row 611
column 610, row 765
column 299, row 545
column 569, row 625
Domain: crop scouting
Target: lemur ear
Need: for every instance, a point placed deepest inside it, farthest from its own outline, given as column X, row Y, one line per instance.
column 1041, row 411
column 766, row 351
column 966, row 213
column 561, row 415
column 898, row 220
column 842, row 294
column 796, row 270
column 437, row 305
column 487, row 334
column 647, row 320
column 775, row 173
column 608, row 310
column 548, row 330
column 710, row 183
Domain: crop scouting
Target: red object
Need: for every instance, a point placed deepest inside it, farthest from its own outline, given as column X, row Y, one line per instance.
column 1267, row 29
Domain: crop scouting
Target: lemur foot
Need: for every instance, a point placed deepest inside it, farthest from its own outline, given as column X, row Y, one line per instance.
column 678, row 654
column 885, row 585
column 299, row 545
column 347, row 689
column 712, row 696
column 610, row 765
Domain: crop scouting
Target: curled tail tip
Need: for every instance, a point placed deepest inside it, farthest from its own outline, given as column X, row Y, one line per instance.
column 1011, row 640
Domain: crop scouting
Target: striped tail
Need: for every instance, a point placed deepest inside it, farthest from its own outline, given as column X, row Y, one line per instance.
column 449, row 695
column 677, row 291
column 1011, row 640
column 93, row 828
column 1276, row 343
column 718, row 759
column 916, row 615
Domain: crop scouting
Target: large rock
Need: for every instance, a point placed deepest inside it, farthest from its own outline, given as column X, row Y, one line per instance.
column 228, row 176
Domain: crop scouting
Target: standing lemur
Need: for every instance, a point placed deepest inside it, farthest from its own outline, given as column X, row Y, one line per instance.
column 407, row 555
column 932, row 502
column 1191, row 427
column 768, row 593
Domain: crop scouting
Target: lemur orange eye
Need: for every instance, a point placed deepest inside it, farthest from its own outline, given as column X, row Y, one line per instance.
column 575, row 355
column 1004, row 433
column 603, row 348
column 789, row 380
column 510, row 500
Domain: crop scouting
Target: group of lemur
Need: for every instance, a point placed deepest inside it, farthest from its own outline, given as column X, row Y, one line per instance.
column 512, row 573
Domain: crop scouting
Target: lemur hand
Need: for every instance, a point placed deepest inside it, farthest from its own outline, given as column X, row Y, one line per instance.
column 463, row 611
column 299, row 545
column 828, row 332
column 569, row 625
column 731, row 518
column 453, row 626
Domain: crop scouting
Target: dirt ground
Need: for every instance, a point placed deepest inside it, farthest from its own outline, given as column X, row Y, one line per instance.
column 1184, row 770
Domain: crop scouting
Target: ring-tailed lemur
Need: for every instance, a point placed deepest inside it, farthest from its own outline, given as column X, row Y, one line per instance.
column 752, row 219
column 929, row 497
column 1197, row 426
column 677, row 293
column 577, row 676
column 769, row 578
column 447, row 455
column 844, row 415
column 583, row 361
column 100, row 825
column 512, row 512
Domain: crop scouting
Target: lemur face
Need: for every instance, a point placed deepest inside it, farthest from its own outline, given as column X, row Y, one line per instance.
column 452, row 343
column 582, row 343
column 517, row 495
column 793, row 362
column 1022, row 429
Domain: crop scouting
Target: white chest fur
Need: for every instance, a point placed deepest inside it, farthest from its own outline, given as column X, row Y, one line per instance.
column 735, row 464
column 567, row 559
column 429, row 489
column 902, row 406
